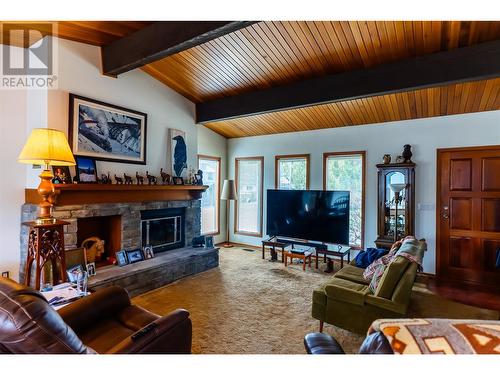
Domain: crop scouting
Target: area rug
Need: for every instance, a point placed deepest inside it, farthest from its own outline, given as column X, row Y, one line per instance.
column 253, row 306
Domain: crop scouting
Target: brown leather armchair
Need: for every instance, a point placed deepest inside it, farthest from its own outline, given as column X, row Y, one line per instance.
column 104, row 322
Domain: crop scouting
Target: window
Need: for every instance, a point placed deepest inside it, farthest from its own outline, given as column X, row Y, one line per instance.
column 249, row 187
column 292, row 172
column 346, row 171
column 210, row 213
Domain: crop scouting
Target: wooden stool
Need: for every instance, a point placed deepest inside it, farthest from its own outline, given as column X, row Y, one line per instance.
column 306, row 255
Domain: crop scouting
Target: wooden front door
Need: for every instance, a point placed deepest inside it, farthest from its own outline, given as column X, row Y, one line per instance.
column 468, row 214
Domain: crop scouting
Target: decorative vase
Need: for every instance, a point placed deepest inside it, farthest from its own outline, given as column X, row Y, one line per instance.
column 387, row 159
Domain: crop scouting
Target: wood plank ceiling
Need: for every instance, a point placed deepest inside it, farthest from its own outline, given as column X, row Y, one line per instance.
column 439, row 101
column 269, row 54
column 97, row 33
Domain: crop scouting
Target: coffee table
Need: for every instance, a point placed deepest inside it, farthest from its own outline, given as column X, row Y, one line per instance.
column 305, row 256
column 341, row 252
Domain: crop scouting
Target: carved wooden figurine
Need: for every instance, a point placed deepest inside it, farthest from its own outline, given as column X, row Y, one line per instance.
column 151, row 179
column 119, row 180
column 165, row 177
column 128, row 179
column 105, row 179
column 139, row 178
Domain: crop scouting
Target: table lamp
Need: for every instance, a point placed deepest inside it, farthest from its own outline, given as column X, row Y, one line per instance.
column 396, row 189
column 46, row 147
column 228, row 194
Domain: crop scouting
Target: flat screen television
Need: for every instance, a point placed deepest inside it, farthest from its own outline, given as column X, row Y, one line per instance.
column 313, row 215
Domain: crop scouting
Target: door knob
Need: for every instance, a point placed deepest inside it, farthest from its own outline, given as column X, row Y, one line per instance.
column 446, row 213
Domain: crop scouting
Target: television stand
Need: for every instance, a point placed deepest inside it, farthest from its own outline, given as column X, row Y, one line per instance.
column 277, row 242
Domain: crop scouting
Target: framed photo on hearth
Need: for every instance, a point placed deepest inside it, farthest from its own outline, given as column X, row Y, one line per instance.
column 91, row 269
column 86, row 170
column 209, row 242
column 134, row 256
column 105, row 131
column 121, row 258
column 148, row 252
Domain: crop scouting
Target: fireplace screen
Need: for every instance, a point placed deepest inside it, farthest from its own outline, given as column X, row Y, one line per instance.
column 162, row 233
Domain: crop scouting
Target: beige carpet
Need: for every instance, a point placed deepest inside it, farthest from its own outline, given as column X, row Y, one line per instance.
column 252, row 306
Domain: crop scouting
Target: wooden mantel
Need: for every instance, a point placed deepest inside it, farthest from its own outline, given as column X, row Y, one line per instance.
column 97, row 193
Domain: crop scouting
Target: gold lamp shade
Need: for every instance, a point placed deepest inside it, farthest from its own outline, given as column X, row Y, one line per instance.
column 47, row 147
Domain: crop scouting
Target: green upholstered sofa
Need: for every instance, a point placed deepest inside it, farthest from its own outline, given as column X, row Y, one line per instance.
column 347, row 302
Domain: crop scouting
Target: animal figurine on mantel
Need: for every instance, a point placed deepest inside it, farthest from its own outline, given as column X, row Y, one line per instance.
column 105, row 179
column 119, row 180
column 139, row 178
column 151, row 179
column 128, row 179
column 165, row 177
column 407, row 154
column 198, row 178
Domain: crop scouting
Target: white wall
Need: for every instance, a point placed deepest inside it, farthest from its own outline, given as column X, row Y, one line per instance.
column 13, row 104
column 213, row 144
column 425, row 136
column 79, row 73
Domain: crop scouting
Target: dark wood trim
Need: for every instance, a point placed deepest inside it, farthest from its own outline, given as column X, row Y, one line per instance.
column 236, row 160
column 99, row 193
column 161, row 39
column 363, row 186
column 219, row 164
column 277, row 158
column 459, row 65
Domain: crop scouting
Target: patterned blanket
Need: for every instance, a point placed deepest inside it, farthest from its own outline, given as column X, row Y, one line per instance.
column 440, row 336
column 408, row 248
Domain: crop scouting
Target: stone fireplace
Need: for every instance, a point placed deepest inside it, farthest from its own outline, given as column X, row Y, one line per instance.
column 169, row 226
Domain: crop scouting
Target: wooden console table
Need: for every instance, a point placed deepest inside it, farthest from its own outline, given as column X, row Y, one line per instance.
column 46, row 244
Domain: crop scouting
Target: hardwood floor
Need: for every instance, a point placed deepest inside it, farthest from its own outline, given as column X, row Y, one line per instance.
column 466, row 294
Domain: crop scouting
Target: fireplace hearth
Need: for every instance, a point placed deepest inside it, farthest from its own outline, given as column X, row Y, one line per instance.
column 128, row 219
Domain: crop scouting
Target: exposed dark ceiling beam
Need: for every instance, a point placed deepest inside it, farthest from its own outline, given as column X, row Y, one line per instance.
column 161, row 39
column 477, row 62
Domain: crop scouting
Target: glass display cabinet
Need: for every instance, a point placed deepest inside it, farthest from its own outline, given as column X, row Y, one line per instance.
column 396, row 203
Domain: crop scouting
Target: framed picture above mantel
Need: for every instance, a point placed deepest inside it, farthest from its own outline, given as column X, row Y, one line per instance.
column 107, row 132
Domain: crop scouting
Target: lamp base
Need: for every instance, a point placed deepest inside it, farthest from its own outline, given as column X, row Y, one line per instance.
column 45, row 220
column 228, row 245
column 46, row 191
